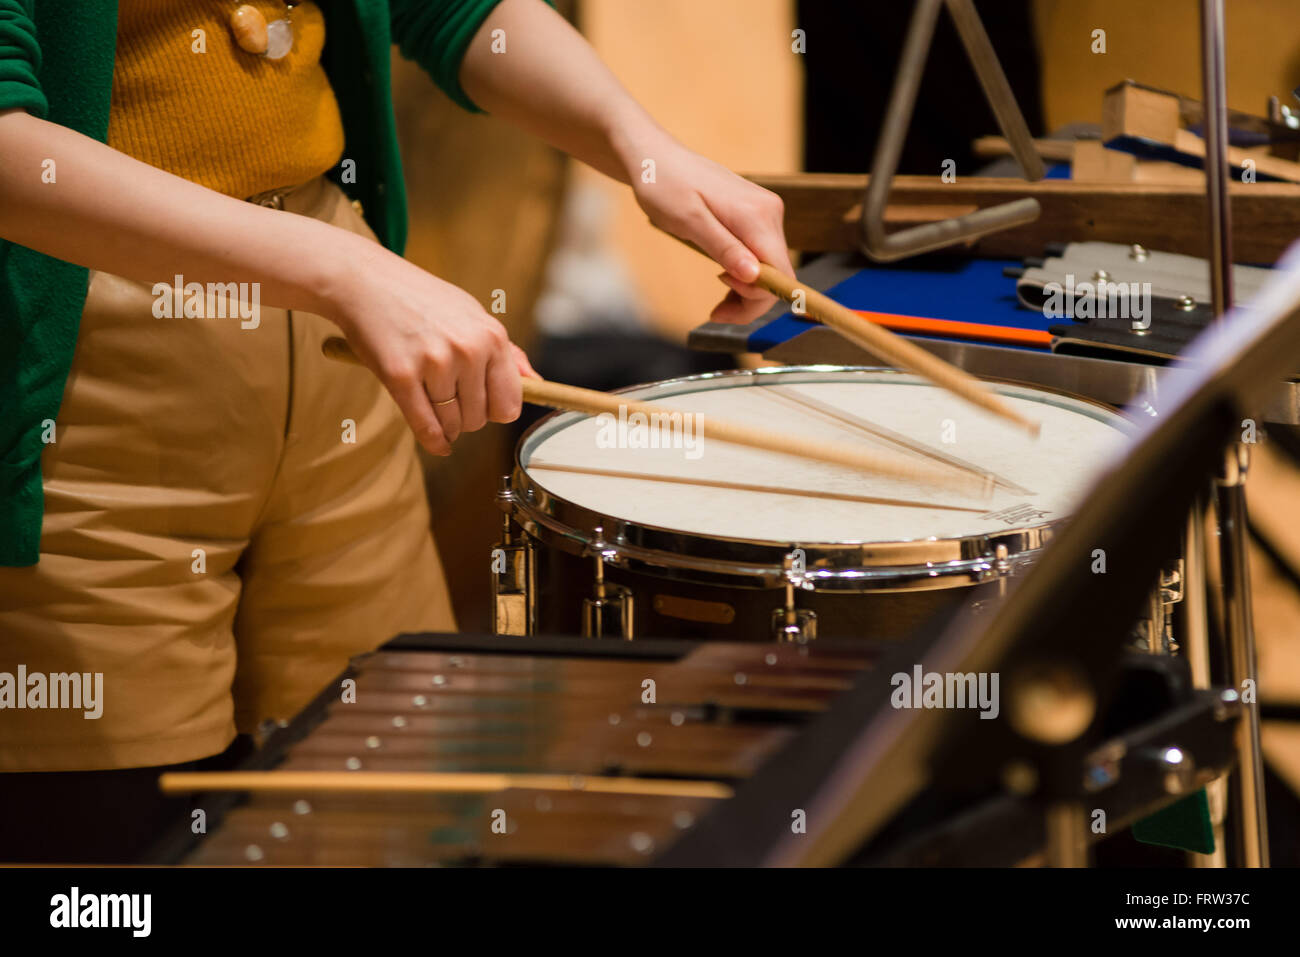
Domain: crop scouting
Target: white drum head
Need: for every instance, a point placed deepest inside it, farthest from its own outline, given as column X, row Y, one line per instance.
column 706, row 487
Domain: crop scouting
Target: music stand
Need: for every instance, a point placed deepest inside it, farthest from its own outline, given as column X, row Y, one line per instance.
column 1060, row 633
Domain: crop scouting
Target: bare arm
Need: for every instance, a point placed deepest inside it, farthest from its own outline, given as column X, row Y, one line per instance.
column 107, row 211
column 551, row 83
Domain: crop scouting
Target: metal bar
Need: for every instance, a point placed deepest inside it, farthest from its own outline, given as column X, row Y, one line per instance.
column 885, row 247
column 1247, row 814
column 1214, row 81
column 997, row 90
column 1247, row 817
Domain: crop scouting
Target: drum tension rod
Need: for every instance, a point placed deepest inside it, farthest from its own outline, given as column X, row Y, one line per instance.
column 790, row 623
column 608, row 613
column 512, row 573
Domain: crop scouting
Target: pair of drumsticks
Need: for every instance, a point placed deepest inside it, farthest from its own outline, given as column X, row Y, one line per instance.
column 862, row 332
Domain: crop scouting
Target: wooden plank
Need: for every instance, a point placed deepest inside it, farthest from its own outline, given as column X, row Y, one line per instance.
column 1094, row 163
column 1191, row 115
column 1151, row 116
column 1054, row 151
column 1138, row 111
column 1189, row 144
column 822, row 212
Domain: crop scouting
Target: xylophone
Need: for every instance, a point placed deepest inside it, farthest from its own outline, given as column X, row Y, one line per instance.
column 461, row 750
column 419, row 757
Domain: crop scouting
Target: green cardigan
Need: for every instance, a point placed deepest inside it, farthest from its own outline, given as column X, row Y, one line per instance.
column 56, row 62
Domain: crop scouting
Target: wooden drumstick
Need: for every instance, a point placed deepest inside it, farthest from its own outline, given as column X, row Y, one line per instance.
column 893, row 348
column 573, row 399
column 427, row 782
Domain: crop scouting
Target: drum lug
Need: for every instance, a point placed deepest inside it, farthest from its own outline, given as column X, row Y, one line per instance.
column 794, row 624
column 608, row 612
column 998, row 566
column 512, row 573
column 1171, row 593
column 1155, row 633
column 1171, row 583
column 790, row 623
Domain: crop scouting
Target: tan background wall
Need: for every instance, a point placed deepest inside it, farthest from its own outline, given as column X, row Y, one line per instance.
column 1158, row 42
column 721, row 77
column 483, row 202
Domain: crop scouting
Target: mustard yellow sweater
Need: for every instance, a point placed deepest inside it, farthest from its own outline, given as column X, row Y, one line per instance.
column 188, row 100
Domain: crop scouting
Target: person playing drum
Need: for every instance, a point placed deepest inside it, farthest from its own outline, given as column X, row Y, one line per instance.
column 202, row 518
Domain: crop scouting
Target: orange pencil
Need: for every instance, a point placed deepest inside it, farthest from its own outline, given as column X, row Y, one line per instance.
column 952, row 329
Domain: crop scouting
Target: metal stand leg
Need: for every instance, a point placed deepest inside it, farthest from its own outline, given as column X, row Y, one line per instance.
column 1247, row 815
column 1214, row 84
column 1067, row 844
column 1196, row 647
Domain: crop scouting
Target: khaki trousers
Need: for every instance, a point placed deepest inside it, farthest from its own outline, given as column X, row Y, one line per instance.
column 229, row 517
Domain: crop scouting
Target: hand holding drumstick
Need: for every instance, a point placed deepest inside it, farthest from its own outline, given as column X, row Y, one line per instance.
column 573, row 399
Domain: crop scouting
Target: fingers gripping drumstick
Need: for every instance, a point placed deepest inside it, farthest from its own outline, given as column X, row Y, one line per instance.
column 573, row 399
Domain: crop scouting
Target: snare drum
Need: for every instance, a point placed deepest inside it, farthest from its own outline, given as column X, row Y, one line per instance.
column 629, row 528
